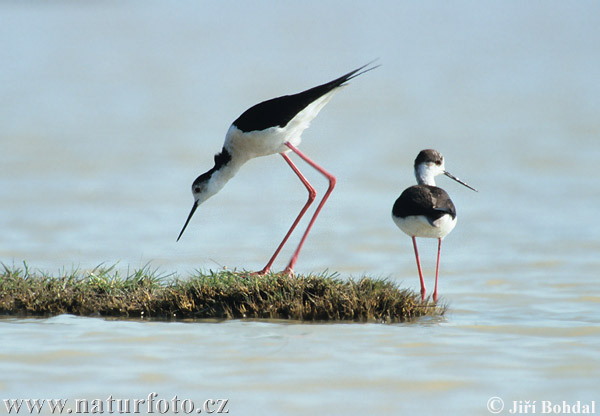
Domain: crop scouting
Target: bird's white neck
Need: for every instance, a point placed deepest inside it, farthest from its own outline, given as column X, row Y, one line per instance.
column 211, row 182
column 424, row 175
column 223, row 174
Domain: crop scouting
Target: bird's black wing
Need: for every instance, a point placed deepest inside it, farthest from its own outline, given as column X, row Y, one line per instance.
column 279, row 111
column 429, row 201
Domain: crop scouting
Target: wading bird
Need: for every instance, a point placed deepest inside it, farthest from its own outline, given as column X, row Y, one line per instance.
column 425, row 210
column 272, row 126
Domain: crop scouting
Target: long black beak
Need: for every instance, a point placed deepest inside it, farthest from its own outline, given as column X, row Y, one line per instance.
column 188, row 219
column 451, row 176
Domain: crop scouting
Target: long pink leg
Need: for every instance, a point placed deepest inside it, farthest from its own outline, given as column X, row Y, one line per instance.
column 437, row 269
column 312, row 194
column 419, row 267
column 332, row 181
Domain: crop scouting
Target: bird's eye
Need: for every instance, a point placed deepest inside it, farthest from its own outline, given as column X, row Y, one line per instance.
column 438, row 162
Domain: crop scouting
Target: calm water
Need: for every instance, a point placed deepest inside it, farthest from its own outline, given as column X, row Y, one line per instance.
column 109, row 111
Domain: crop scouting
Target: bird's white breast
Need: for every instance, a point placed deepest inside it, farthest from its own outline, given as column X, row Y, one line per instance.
column 255, row 143
column 418, row 226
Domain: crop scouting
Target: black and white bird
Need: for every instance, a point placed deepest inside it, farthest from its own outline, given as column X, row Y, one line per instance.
column 425, row 210
column 272, row 126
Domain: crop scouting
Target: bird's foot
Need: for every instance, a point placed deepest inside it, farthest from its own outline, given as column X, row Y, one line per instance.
column 261, row 272
column 289, row 271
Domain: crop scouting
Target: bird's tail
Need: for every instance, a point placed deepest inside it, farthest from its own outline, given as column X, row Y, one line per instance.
column 358, row 71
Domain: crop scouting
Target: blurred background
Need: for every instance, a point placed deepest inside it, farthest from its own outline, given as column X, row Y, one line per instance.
column 111, row 109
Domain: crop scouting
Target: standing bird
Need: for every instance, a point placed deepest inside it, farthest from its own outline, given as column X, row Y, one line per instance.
column 424, row 210
column 272, row 126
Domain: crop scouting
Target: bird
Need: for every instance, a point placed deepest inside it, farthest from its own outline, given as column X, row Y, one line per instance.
column 270, row 127
column 425, row 210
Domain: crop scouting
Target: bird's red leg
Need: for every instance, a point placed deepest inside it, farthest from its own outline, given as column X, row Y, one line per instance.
column 437, row 269
column 312, row 194
column 332, row 181
column 414, row 240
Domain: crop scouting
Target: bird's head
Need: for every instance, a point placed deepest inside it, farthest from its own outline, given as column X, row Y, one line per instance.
column 201, row 191
column 211, row 182
column 429, row 164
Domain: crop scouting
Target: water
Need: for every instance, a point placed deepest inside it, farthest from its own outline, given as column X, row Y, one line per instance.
column 110, row 110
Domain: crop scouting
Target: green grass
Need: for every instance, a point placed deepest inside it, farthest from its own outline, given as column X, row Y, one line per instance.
column 220, row 295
